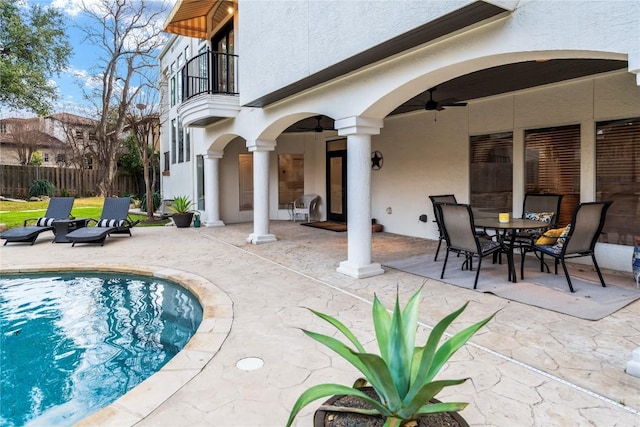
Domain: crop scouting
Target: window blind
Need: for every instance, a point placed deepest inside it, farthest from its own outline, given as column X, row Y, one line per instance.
column 553, row 165
column 618, row 177
column 491, row 172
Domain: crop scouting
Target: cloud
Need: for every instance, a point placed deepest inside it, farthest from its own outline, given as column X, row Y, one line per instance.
column 73, row 7
column 86, row 80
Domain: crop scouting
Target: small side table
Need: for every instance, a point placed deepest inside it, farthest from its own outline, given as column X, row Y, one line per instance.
column 62, row 227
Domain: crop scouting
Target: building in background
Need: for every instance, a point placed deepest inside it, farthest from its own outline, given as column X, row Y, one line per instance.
column 61, row 140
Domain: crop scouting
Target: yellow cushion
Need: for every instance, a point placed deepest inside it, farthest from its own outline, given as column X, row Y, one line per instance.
column 550, row 236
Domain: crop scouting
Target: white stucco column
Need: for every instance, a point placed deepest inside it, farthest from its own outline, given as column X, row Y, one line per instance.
column 261, row 151
column 358, row 131
column 212, row 189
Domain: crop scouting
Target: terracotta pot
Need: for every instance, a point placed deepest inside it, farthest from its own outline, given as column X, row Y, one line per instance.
column 324, row 418
column 182, row 220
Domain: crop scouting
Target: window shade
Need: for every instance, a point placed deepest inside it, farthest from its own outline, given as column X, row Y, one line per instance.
column 553, row 165
column 491, row 172
column 618, row 178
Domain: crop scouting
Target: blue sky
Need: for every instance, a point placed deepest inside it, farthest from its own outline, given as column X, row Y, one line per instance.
column 83, row 61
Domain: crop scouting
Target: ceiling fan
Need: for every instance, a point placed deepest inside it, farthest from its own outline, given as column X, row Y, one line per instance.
column 318, row 127
column 433, row 105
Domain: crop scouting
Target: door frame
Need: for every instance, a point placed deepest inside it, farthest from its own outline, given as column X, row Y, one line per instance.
column 331, row 154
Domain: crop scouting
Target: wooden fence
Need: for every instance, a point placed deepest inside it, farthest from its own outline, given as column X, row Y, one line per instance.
column 15, row 181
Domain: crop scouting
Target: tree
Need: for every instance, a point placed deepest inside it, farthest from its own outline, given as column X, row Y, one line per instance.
column 127, row 35
column 33, row 47
column 145, row 131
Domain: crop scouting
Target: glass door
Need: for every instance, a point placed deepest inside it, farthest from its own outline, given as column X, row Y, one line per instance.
column 337, row 180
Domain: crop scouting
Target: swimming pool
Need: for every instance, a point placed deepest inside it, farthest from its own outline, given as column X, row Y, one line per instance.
column 90, row 336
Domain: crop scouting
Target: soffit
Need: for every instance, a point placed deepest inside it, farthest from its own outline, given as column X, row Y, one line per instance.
column 189, row 17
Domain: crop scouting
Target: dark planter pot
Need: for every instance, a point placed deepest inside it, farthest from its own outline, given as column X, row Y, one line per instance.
column 324, row 418
column 182, row 220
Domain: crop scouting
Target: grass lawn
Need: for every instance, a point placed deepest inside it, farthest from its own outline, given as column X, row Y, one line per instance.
column 13, row 214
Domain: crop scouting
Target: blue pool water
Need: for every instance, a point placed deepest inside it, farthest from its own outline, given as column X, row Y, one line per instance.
column 72, row 344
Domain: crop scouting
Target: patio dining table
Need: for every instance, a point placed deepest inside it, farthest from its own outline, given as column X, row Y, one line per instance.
column 507, row 240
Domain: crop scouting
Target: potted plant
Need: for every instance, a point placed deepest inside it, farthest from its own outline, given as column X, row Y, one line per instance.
column 401, row 377
column 182, row 214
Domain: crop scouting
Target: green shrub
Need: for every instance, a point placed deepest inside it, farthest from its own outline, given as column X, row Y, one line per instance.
column 64, row 192
column 42, row 187
column 157, row 199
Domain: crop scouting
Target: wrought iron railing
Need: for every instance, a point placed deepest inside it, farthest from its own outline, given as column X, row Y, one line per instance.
column 210, row 72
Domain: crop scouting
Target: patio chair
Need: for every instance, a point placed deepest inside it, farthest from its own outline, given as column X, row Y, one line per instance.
column 462, row 238
column 306, row 206
column 113, row 220
column 443, row 198
column 580, row 240
column 538, row 207
column 58, row 208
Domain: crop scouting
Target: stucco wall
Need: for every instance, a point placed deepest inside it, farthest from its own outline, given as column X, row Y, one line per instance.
column 280, row 42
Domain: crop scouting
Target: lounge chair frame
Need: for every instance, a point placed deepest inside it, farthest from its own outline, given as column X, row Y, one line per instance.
column 58, row 208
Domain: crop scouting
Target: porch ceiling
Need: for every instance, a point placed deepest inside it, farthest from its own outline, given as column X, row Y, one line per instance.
column 189, row 17
column 510, row 78
column 495, row 81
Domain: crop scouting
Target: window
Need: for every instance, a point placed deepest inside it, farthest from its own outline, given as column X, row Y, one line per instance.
column 45, row 156
column 88, row 162
column 166, row 161
column 553, row 165
column 223, row 46
column 187, row 144
column 491, row 172
column 290, row 178
column 92, row 136
column 173, row 91
column 200, row 181
column 618, row 177
column 61, row 159
column 245, row 169
column 3, row 127
column 173, row 141
column 179, row 94
column 180, row 142
column 79, row 134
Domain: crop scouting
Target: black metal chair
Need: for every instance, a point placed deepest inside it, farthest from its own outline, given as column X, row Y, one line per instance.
column 585, row 228
column 538, row 207
column 443, row 198
column 461, row 237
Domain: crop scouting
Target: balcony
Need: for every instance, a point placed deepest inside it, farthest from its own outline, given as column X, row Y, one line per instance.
column 209, row 89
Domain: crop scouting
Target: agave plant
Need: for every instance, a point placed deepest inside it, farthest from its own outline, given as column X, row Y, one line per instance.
column 402, row 374
column 181, row 204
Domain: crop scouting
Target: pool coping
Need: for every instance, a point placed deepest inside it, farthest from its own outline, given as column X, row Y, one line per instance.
column 142, row 400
